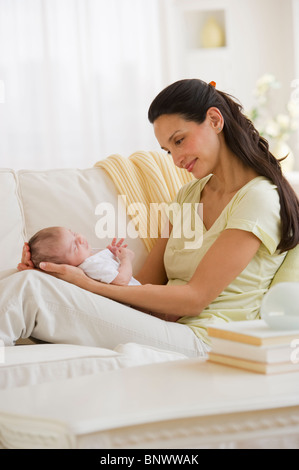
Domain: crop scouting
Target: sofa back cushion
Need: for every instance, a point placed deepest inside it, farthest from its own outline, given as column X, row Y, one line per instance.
column 66, row 197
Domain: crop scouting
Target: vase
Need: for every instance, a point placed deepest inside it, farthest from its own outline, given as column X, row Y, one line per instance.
column 280, row 150
column 212, row 34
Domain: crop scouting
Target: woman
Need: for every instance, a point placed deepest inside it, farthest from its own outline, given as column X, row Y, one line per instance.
column 250, row 220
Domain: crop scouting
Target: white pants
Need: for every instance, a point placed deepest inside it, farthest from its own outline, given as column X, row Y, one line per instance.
column 37, row 304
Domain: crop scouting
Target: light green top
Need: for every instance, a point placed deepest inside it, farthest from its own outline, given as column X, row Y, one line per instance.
column 254, row 208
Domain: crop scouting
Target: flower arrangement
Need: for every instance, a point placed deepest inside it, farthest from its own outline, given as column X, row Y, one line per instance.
column 276, row 128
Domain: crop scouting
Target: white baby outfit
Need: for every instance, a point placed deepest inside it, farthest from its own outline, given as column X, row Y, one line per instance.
column 103, row 266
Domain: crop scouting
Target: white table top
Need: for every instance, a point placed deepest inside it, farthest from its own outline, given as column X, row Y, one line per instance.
column 150, row 393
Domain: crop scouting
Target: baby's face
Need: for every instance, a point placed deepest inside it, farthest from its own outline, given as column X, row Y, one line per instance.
column 76, row 247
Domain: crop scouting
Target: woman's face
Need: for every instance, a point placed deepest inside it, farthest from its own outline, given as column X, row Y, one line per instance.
column 193, row 146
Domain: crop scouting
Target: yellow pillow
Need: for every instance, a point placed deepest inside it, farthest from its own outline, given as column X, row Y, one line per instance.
column 289, row 270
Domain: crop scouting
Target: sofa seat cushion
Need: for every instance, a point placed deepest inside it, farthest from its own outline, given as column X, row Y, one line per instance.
column 39, row 363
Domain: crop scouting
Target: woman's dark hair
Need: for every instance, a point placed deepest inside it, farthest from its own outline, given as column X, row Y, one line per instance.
column 191, row 99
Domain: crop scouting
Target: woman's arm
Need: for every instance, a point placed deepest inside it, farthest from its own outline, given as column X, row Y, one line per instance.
column 223, row 262
column 153, row 270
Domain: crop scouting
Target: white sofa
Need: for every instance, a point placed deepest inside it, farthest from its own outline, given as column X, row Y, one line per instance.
column 75, row 396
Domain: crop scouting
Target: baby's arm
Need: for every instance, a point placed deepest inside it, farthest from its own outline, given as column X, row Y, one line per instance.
column 125, row 257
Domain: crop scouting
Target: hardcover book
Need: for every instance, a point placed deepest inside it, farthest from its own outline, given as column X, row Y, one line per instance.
column 260, row 367
column 254, row 346
column 255, row 332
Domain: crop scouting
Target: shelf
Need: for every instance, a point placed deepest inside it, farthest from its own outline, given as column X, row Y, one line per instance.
column 208, row 52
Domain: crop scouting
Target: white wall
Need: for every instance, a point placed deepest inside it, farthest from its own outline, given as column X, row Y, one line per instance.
column 261, row 37
column 264, row 41
column 260, row 40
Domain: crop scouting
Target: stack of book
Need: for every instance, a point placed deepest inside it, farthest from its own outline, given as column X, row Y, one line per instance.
column 254, row 346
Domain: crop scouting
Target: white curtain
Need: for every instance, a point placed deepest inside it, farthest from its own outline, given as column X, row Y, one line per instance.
column 78, row 78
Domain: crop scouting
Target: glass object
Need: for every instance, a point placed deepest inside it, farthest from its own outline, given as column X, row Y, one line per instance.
column 280, row 306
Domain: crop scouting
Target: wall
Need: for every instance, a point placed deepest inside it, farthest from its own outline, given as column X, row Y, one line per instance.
column 262, row 42
column 260, row 39
column 79, row 76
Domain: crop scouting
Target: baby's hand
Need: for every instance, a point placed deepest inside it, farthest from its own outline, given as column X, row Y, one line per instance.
column 114, row 247
column 123, row 253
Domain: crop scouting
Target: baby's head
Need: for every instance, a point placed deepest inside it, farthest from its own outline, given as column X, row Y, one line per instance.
column 58, row 245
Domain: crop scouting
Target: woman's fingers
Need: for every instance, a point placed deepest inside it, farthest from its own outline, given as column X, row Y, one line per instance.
column 60, row 271
column 23, row 266
column 26, row 262
column 24, row 252
column 53, row 267
column 26, row 255
column 63, row 270
column 66, row 272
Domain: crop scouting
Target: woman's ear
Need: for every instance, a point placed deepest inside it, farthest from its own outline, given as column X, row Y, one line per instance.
column 215, row 118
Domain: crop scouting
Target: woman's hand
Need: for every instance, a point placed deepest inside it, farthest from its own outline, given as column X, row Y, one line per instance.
column 66, row 272
column 26, row 262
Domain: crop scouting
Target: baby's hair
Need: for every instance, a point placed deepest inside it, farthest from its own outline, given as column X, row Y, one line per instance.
column 44, row 246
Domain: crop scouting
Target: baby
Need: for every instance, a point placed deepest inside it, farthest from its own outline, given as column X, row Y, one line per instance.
column 112, row 265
